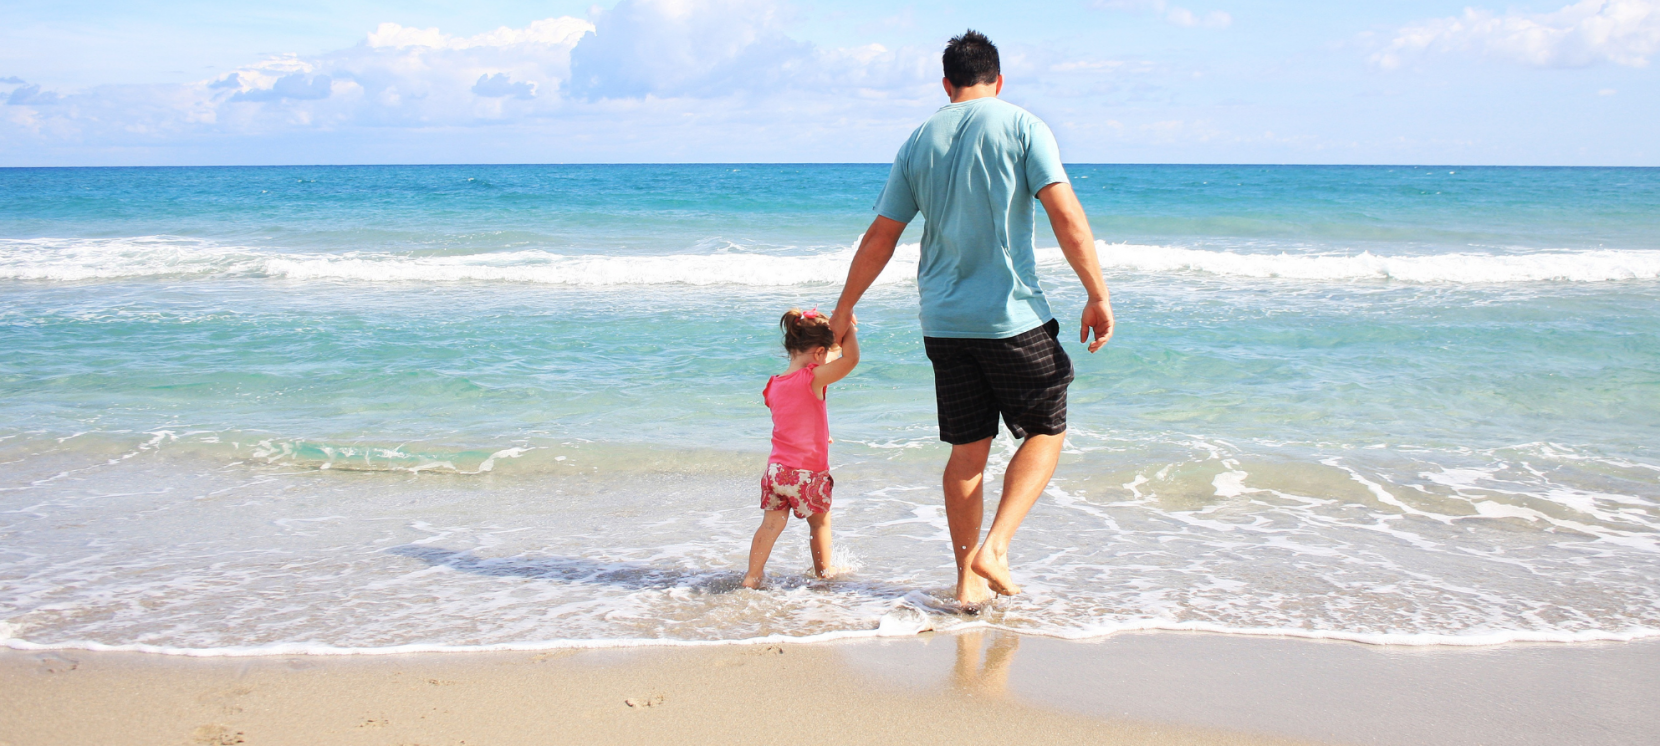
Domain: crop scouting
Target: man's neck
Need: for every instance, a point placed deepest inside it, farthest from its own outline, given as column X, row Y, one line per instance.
column 969, row 93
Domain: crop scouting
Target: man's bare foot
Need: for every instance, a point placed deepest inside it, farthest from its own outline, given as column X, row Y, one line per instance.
column 994, row 567
column 752, row 582
column 972, row 593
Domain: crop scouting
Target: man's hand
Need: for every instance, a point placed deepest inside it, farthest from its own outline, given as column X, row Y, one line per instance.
column 1097, row 318
column 841, row 322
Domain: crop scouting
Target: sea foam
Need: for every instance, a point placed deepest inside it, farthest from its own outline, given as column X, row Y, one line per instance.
column 83, row 260
column 1596, row 265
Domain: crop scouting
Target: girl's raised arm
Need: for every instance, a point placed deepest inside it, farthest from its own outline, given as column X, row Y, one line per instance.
column 837, row 369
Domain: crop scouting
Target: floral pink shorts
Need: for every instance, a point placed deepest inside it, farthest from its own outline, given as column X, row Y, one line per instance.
column 806, row 492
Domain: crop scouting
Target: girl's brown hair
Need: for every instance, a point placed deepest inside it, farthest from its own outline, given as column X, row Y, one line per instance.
column 803, row 332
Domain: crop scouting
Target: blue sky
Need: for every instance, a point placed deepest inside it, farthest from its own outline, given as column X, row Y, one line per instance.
column 1141, row 81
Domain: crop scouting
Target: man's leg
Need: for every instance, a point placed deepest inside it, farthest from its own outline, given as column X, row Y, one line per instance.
column 1028, row 474
column 965, row 508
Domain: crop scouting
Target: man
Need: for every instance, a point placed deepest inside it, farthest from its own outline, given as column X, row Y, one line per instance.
column 972, row 170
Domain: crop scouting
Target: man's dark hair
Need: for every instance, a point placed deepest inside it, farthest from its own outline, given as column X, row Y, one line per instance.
column 971, row 59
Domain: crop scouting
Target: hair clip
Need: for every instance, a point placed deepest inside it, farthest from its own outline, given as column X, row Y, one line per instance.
column 813, row 314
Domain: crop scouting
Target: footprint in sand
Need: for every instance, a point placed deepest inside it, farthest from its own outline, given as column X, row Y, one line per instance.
column 54, row 663
column 216, row 735
column 644, row 702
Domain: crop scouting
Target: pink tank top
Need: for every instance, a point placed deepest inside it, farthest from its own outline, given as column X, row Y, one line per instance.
column 800, row 422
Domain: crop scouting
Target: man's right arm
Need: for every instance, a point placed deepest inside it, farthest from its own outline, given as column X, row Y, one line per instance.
column 1077, row 242
column 875, row 249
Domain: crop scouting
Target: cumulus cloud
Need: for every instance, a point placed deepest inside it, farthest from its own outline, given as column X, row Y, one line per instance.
column 1624, row 32
column 1173, row 14
column 30, row 95
column 643, row 64
column 1213, row 19
column 295, row 86
column 501, row 85
column 553, row 32
column 719, row 48
column 673, row 47
column 1044, row 73
column 402, row 76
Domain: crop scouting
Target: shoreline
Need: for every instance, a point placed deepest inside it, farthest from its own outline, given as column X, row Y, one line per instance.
column 904, row 629
column 980, row 685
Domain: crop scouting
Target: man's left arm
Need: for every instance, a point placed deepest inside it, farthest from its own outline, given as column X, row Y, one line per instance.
column 1077, row 242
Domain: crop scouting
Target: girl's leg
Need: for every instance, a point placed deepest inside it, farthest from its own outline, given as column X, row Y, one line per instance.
column 760, row 548
column 820, row 524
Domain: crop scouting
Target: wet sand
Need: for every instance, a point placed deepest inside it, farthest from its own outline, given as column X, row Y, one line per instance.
column 980, row 686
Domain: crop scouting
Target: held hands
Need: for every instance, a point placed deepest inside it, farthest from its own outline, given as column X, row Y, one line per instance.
column 1097, row 317
column 841, row 323
column 843, row 357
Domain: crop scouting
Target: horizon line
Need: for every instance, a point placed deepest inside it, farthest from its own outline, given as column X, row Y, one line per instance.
column 808, row 163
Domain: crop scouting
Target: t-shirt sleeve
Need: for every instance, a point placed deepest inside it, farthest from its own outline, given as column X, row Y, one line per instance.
column 897, row 202
column 1043, row 158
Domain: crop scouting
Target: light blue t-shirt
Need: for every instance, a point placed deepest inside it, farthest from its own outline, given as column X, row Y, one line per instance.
column 972, row 170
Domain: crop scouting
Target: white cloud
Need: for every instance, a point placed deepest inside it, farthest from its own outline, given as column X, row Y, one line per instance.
column 401, row 76
column 720, row 48
column 1042, row 73
column 294, row 86
column 28, row 95
column 399, row 37
column 1213, row 19
column 1173, row 14
column 562, row 31
column 395, row 78
column 675, row 47
column 501, row 85
column 1071, row 66
column 659, row 65
column 1624, row 32
column 662, row 79
column 1176, row 130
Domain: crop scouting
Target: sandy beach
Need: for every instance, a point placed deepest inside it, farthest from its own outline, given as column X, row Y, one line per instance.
column 980, row 686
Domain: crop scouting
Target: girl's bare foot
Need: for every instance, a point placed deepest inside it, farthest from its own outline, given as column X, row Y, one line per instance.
column 994, row 567
column 831, row 573
column 752, row 582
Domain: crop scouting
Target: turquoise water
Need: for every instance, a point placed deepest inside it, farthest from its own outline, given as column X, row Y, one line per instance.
column 519, row 405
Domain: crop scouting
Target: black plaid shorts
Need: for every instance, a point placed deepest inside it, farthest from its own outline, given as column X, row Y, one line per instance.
column 1023, row 378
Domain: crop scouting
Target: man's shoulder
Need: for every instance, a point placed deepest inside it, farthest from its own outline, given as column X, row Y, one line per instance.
column 1012, row 112
column 991, row 121
column 1006, row 122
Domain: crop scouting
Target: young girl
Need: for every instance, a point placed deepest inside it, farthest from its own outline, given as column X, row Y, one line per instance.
column 798, row 473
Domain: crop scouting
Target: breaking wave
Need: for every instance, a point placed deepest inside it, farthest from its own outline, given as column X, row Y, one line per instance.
column 92, row 260
column 1597, row 265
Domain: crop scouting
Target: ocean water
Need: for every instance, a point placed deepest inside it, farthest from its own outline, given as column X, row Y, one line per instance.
column 392, row 408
